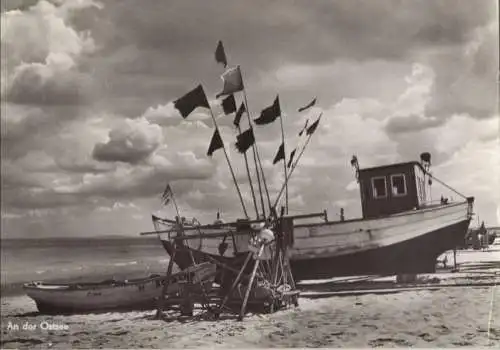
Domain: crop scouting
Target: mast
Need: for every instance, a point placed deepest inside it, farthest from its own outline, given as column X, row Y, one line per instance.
column 310, row 133
column 230, row 166
column 258, row 163
column 284, row 164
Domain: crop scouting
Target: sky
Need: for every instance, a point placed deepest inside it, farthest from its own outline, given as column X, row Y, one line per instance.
column 90, row 137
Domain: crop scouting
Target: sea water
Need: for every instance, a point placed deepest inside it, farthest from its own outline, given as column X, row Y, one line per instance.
column 78, row 259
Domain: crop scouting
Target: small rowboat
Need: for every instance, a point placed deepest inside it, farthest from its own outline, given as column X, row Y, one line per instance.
column 124, row 295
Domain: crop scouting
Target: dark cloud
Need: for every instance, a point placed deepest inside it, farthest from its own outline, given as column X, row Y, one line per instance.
column 26, row 128
column 28, row 191
column 465, row 79
column 163, row 48
column 413, row 123
column 23, row 198
column 72, row 165
column 32, row 86
column 300, row 29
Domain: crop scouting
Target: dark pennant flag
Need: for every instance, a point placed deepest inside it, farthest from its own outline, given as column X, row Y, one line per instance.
column 215, row 143
column 240, row 112
column 269, row 114
column 229, row 104
column 304, row 128
column 292, row 154
column 193, row 99
column 245, row 140
column 312, row 128
column 309, row 105
column 220, row 55
column 280, row 154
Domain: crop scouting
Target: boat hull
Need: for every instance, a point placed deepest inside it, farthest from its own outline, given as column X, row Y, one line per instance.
column 55, row 299
column 409, row 242
column 413, row 256
column 140, row 294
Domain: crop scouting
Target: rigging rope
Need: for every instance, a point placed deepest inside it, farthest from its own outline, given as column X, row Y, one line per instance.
column 445, row 185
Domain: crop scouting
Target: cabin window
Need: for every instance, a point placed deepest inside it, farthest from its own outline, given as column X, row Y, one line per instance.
column 379, row 187
column 398, row 185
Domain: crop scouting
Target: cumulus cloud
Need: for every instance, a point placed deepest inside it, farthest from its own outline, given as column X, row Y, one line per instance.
column 131, row 142
column 168, row 115
column 164, row 115
column 45, row 30
column 50, row 83
column 43, row 67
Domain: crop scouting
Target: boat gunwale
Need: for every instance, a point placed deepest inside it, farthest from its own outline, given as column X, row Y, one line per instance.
column 113, row 283
column 42, row 286
column 406, row 213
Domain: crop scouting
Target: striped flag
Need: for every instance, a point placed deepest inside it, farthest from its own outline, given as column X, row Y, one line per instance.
column 167, row 195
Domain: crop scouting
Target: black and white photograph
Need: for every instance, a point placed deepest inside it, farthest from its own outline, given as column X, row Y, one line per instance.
column 250, row 174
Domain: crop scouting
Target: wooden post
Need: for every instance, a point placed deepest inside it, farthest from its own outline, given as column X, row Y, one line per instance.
column 249, row 288
column 276, row 265
column 236, row 281
column 166, row 282
column 455, row 258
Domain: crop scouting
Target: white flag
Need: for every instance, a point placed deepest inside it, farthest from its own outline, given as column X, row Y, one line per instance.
column 233, row 82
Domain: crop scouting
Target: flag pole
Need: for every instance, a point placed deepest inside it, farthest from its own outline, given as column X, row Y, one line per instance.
column 230, row 166
column 256, row 153
column 294, row 165
column 284, row 164
column 290, row 173
column 175, row 204
column 250, row 181
column 258, row 180
column 220, row 56
column 255, row 157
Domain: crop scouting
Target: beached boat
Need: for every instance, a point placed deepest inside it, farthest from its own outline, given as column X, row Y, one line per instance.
column 400, row 232
column 109, row 295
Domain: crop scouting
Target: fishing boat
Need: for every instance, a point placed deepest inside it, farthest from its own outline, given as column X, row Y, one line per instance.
column 133, row 294
column 402, row 230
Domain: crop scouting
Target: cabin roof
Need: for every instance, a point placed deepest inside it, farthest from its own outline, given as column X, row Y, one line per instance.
column 394, row 165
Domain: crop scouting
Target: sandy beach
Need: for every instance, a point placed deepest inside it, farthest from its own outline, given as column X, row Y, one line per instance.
column 452, row 316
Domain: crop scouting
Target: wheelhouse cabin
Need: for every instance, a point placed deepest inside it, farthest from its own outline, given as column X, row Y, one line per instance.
column 392, row 189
